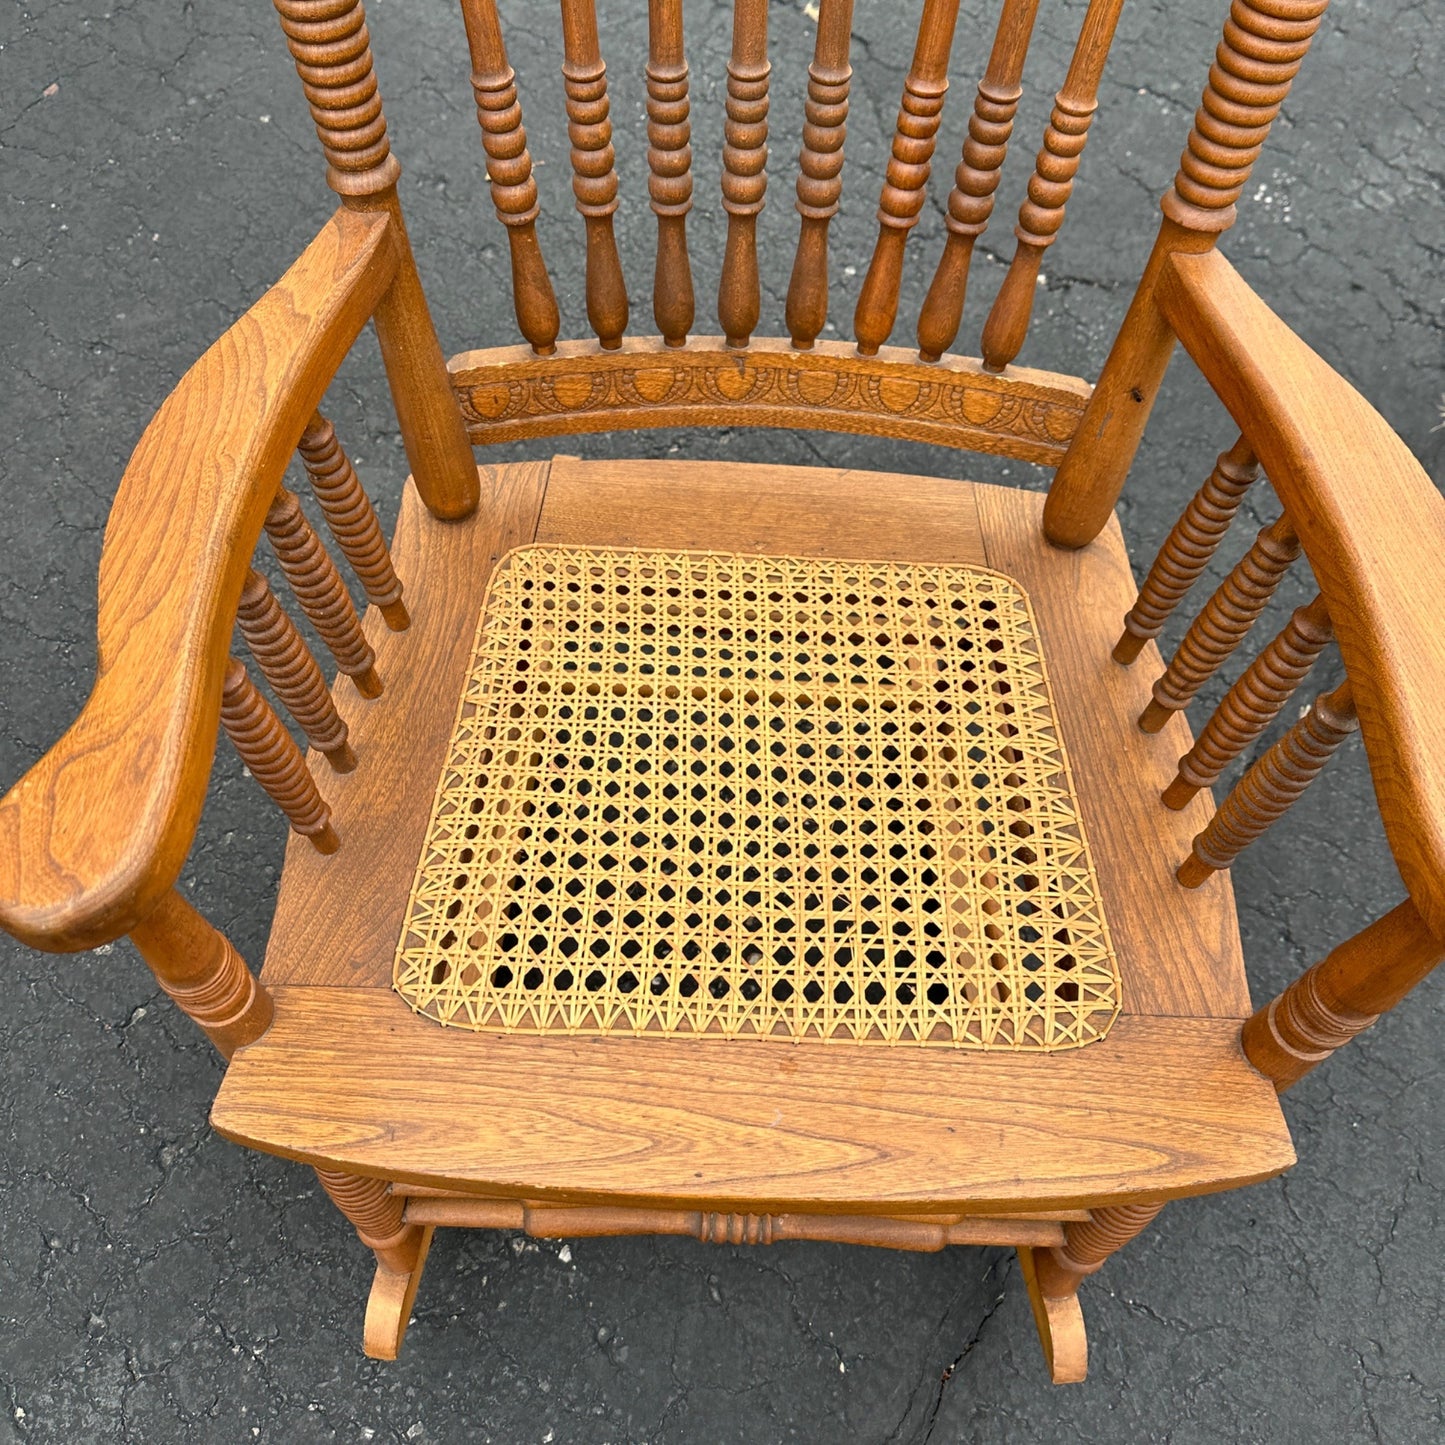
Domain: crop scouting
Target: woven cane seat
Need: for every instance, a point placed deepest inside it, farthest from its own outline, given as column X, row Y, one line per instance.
column 702, row 793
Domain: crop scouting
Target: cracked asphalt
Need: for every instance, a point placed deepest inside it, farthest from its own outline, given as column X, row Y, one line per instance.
column 157, row 1284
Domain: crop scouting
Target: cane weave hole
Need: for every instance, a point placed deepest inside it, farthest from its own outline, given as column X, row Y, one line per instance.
column 698, row 793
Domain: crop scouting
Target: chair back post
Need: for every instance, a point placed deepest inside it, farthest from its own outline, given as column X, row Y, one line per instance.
column 1264, row 44
column 329, row 42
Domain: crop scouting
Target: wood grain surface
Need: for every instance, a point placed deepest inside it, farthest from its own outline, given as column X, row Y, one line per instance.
column 352, row 1078
column 177, row 551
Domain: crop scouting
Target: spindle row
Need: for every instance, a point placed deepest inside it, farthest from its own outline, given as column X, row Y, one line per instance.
column 820, row 167
column 264, row 743
column 1268, row 788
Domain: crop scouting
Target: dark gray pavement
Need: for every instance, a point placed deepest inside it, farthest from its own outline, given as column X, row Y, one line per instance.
column 157, row 1284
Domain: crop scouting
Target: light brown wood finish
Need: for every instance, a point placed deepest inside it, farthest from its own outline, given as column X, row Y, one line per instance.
column 1224, row 621
column 329, row 42
column 1264, row 44
column 594, row 177
column 669, row 164
column 320, row 590
column 176, row 555
column 352, row 519
column 1253, row 702
column 562, row 1221
column 1188, row 549
column 744, row 175
column 401, row 738
column 337, row 919
column 1372, row 526
column 1340, row 997
column 352, row 1079
column 509, row 170
column 292, row 671
column 1273, row 785
column 198, row 966
column 507, row 394
column 970, row 202
column 919, row 114
column 1053, row 1277
column 820, row 171
column 273, row 759
column 1042, row 213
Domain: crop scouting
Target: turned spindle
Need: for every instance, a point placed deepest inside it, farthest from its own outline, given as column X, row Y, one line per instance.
column 1188, row 548
column 274, row 760
column 1088, row 1243
column 1268, row 790
column 1341, row 996
column 320, row 590
column 329, row 42
column 820, row 171
column 292, row 671
column 669, row 169
column 908, row 168
column 594, row 176
column 1253, row 702
column 1264, row 43
column 509, row 170
column 1222, row 625
column 1042, row 213
column 351, row 519
column 970, row 203
column 377, row 1215
column 744, row 174
column 198, row 966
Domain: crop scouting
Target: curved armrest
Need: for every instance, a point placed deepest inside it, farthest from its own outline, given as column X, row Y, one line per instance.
column 1372, row 526
column 95, row 833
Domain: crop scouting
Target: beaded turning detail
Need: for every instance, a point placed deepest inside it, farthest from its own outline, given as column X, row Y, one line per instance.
column 705, row 794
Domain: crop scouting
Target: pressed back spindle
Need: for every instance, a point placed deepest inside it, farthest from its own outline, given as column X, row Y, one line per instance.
column 1222, row 625
column 594, row 176
column 970, row 202
column 820, row 171
column 1253, row 702
column 908, row 169
column 352, row 519
column 1042, row 213
column 744, row 175
column 274, row 760
column 669, row 165
column 320, row 590
column 1272, row 785
column 292, row 671
column 1188, row 548
column 509, row 169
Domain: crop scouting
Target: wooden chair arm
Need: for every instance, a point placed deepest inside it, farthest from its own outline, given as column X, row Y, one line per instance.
column 1372, row 526
column 94, row 835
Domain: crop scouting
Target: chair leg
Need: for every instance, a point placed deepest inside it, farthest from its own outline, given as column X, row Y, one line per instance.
column 400, row 1248
column 1052, row 1277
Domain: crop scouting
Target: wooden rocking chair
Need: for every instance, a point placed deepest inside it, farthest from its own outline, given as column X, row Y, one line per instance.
column 751, row 852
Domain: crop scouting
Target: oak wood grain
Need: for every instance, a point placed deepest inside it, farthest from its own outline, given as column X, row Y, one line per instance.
column 351, row 1079
column 1372, row 526
column 339, row 922
column 176, row 554
column 508, row 394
